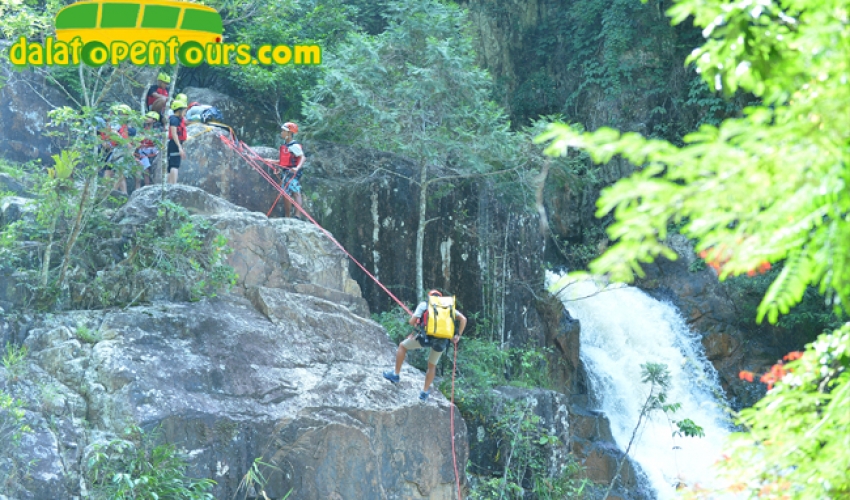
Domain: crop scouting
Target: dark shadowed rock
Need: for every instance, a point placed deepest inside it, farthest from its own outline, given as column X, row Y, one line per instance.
column 25, row 99
column 490, row 451
column 592, row 443
column 564, row 336
column 9, row 184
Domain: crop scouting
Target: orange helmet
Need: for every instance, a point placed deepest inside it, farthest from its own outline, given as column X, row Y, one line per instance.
column 435, row 292
column 290, row 126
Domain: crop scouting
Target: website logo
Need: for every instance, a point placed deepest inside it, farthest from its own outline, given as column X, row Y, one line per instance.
column 148, row 32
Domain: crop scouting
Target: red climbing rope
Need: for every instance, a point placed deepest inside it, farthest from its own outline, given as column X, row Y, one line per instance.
column 269, row 214
column 452, row 417
column 254, row 160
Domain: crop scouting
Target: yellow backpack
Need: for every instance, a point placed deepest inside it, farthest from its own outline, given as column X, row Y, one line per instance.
column 441, row 317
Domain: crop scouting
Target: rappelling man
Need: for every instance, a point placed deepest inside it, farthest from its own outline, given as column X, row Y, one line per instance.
column 435, row 326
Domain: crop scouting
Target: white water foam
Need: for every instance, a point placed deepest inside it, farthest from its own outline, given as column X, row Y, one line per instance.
column 622, row 328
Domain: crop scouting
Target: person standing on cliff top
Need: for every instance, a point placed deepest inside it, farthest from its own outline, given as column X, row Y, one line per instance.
column 428, row 335
column 291, row 161
column 176, row 136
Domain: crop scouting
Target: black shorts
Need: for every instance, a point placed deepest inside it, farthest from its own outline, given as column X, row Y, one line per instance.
column 173, row 155
column 105, row 157
column 434, row 343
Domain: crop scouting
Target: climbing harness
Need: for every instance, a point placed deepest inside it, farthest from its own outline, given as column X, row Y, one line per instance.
column 278, row 197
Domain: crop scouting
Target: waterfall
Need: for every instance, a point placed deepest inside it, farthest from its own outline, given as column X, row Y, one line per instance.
column 622, row 328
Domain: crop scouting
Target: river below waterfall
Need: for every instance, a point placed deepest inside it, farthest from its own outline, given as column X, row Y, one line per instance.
column 622, row 328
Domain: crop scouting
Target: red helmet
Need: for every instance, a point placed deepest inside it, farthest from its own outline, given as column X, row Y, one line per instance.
column 290, row 126
column 435, row 292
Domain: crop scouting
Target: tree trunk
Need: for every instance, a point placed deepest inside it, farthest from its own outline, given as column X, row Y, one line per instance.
column 46, row 262
column 420, row 232
column 75, row 232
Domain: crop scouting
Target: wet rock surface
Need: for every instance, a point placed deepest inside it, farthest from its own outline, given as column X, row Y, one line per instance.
column 712, row 310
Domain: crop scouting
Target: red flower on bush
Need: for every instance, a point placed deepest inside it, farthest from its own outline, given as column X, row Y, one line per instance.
column 775, row 374
column 723, row 255
column 791, row 356
column 761, row 269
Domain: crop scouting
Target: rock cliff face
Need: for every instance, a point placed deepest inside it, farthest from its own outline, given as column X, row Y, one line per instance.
column 25, row 99
column 368, row 202
column 374, row 215
column 287, row 368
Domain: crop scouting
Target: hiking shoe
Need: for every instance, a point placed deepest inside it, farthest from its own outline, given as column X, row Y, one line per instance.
column 392, row 377
column 423, row 396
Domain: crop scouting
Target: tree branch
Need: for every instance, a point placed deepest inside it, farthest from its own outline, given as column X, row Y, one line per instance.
column 474, row 176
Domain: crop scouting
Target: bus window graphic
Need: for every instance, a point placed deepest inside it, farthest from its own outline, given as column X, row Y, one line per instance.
column 130, row 21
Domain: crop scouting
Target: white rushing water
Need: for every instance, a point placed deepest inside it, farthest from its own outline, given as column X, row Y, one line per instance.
column 622, row 328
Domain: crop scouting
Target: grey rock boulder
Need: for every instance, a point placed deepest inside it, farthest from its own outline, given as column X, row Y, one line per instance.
column 274, row 253
column 25, row 99
column 15, row 208
column 9, row 184
column 298, row 385
column 212, row 166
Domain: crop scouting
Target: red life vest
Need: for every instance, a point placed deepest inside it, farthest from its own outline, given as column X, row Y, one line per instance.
column 105, row 138
column 287, row 159
column 152, row 95
column 181, row 130
column 123, row 132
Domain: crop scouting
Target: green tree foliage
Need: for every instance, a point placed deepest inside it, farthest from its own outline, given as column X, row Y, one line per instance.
column 798, row 438
column 601, row 61
column 73, row 222
column 769, row 186
column 137, row 467
column 415, row 90
column 13, row 426
column 30, row 18
column 179, row 245
column 278, row 89
column 526, row 464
